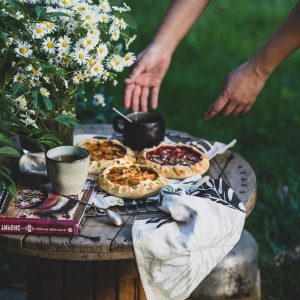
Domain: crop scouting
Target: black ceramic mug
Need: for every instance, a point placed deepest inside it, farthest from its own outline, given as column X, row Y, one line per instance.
column 146, row 130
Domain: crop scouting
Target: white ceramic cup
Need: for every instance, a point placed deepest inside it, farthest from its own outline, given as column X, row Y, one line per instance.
column 68, row 177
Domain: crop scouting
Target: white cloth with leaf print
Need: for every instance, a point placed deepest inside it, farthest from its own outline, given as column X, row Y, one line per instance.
column 175, row 253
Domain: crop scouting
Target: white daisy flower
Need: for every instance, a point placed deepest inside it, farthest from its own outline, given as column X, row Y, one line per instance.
column 115, row 35
column 102, row 51
column 81, row 7
column 23, row 49
column 105, row 75
column 49, row 45
column 81, row 56
column 97, row 69
column 34, row 81
column 129, row 59
column 19, row 77
column 99, row 100
column 39, row 31
column 20, row 103
column 63, row 43
column 105, row 7
column 88, row 17
column 44, row 92
column 94, row 32
column 78, row 77
column 130, row 41
column 50, row 27
column 90, row 42
column 33, row 70
column 104, row 18
column 117, row 63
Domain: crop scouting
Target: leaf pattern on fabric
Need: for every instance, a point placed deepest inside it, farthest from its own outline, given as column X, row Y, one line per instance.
column 219, row 191
column 162, row 221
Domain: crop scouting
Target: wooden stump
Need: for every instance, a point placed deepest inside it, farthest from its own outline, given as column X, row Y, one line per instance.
column 63, row 280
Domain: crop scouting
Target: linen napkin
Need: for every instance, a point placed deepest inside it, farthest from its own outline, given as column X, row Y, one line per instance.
column 175, row 253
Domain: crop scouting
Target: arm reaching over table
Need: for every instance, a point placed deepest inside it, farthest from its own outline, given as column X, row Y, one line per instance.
column 153, row 63
column 244, row 84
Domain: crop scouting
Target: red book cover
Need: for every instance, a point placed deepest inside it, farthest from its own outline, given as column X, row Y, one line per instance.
column 39, row 211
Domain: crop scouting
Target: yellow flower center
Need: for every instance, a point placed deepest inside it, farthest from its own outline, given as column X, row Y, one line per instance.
column 64, row 44
column 88, row 42
column 101, row 50
column 117, row 63
column 50, row 45
column 43, row 92
column 34, row 71
column 96, row 68
column 49, row 25
column 81, row 56
column 91, row 62
column 88, row 17
column 80, row 77
column 23, row 50
column 81, row 8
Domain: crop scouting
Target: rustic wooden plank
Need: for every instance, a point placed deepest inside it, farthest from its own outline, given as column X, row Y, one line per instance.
column 37, row 242
column 130, row 287
column 44, row 279
column 96, row 227
column 242, row 180
column 59, row 243
column 12, row 240
column 105, row 280
column 78, row 281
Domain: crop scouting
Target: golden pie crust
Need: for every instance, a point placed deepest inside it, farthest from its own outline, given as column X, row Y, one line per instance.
column 131, row 181
column 105, row 153
column 180, row 169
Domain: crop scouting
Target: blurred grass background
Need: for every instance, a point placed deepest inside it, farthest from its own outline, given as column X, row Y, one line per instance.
column 268, row 137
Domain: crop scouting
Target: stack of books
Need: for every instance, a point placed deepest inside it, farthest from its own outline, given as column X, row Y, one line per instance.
column 39, row 211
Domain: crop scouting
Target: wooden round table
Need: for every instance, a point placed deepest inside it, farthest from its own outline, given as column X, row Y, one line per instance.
column 86, row 269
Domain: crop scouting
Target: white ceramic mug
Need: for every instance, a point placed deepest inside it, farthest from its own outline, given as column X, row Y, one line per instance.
column 67, row 168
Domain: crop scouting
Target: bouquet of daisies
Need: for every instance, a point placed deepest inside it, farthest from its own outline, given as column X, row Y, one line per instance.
column 48, row 48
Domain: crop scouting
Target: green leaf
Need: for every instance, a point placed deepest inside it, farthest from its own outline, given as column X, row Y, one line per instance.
column 35, row 96
column 40, row 11
column 130, row 21
column 11, row 187
column 9, row 151
column 1, row 186
column 5, row 139
column 57, row 14
column 67, row 120
column 48, row 103
column 18, row 88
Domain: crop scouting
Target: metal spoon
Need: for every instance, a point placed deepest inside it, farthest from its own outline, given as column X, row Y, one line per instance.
column 114, row 217
column 122, row 115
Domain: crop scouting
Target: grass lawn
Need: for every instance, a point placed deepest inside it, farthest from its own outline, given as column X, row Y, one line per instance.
column 268, row 136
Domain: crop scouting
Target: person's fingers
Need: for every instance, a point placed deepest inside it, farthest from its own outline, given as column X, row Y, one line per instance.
column 128, row 95
column 246, row 108
column 136, row 98
column 144, row 98
column 154, row 97
column 216, row 107
column 238, row 110
column 229, row 108
column 138, row 69
column 147, row 80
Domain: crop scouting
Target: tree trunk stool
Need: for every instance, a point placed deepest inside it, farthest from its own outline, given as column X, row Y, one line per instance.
column 235, row 277
column 71, row 268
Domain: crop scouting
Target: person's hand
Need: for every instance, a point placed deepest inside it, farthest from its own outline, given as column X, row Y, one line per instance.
column 145, row 78
column 240, row 91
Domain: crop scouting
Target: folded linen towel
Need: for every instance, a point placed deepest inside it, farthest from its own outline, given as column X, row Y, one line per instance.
column 174, row 254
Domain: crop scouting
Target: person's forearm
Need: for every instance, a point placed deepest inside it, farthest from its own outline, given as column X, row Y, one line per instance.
column 282, row 43
column 179, row 18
